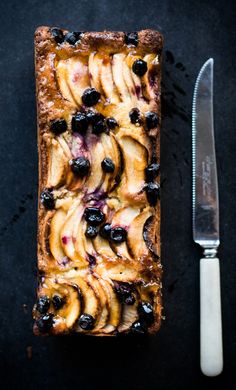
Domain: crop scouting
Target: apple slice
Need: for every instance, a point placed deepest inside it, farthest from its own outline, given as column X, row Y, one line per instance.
column 78, row 234
column 135, row 158
column 117, row 71
column 152, row 63
column 57, row 222
column 135, row 239
column 72, row 309
column 95, row 65
column 136, row 79
column 65, row 146
column 103, row 317
column 96, row 175
column 129, row 83
column 90, row 301
column 111, row 150
column 58, row 165
column 61, row 75
column 122, row 271
column 74, row 215
column 107, row 82
column 123, row 218
column 87, row 242
column 138, row 135
column 114, row 306
column 77, row 77
column 129, row 316
column 103, row 248
column 78, row 149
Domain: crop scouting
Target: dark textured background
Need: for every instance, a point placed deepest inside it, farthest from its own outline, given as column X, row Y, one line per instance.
column 194, row 31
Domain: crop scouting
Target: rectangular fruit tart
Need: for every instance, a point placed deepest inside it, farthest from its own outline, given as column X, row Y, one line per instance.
column 98, row 100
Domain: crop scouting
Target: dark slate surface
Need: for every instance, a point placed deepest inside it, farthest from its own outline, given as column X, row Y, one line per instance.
column 193, row 32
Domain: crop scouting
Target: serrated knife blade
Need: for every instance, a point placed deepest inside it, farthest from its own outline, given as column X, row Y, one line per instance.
column 206, row 221
column 205, row 184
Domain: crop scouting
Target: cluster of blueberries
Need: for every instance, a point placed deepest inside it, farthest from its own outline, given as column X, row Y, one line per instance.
column 95, row 217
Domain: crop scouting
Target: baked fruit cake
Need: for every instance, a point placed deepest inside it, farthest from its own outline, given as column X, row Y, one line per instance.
column 98, row 98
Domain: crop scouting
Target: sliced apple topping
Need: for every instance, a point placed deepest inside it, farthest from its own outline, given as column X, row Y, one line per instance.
column 54, row 238
column 138, row 135
column 64, row 144
column 78, row 234
column 95, row 66
column 149, row 78
column 135, row 239
column 122, row 271
column 78, row 149
column 129, row 316
column 103, row 316
column 129, row 83
column 77, row 77
column 117, row 71
column 123, row 218
column 96, row 175
column 107, row 82
column 111, row 151
column 136, row 79
column 103, row 248
column 135, row 160
column 91, row 304
column 58, row 164
column 67, row 238
column 87, row 242
column 72, row 308
column 113, row 306
column 62, row 77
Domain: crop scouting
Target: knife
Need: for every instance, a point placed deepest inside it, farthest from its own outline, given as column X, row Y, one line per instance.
column 206, row 221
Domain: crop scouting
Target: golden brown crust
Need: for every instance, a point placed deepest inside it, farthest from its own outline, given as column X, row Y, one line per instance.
column 52, row 104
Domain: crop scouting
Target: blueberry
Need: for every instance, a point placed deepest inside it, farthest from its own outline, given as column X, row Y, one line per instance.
column 94, row 117
column 47, row 199
column 152, row 171
column 153, row 193
column 111, row 123
column 58, row 126
column 99, row 127
column 138, row 328
column 107, row 165
column 134, row 115
column 123, row 288
column 45, row 322
column 130, row 300
column 118, row 235
column 58, row 302
column 80, row 123
column 131, row 38
column 152, row 119
column 57, row 34
column 80, row 166
column 86, row 321
column 90, row 97
column 139, row 67
column 94, row 216
column 92, row 260
column 105, row 230
column 124, row 292
column 145, row 311
column 91, row 231
column 43, row 304
column 73, row 37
